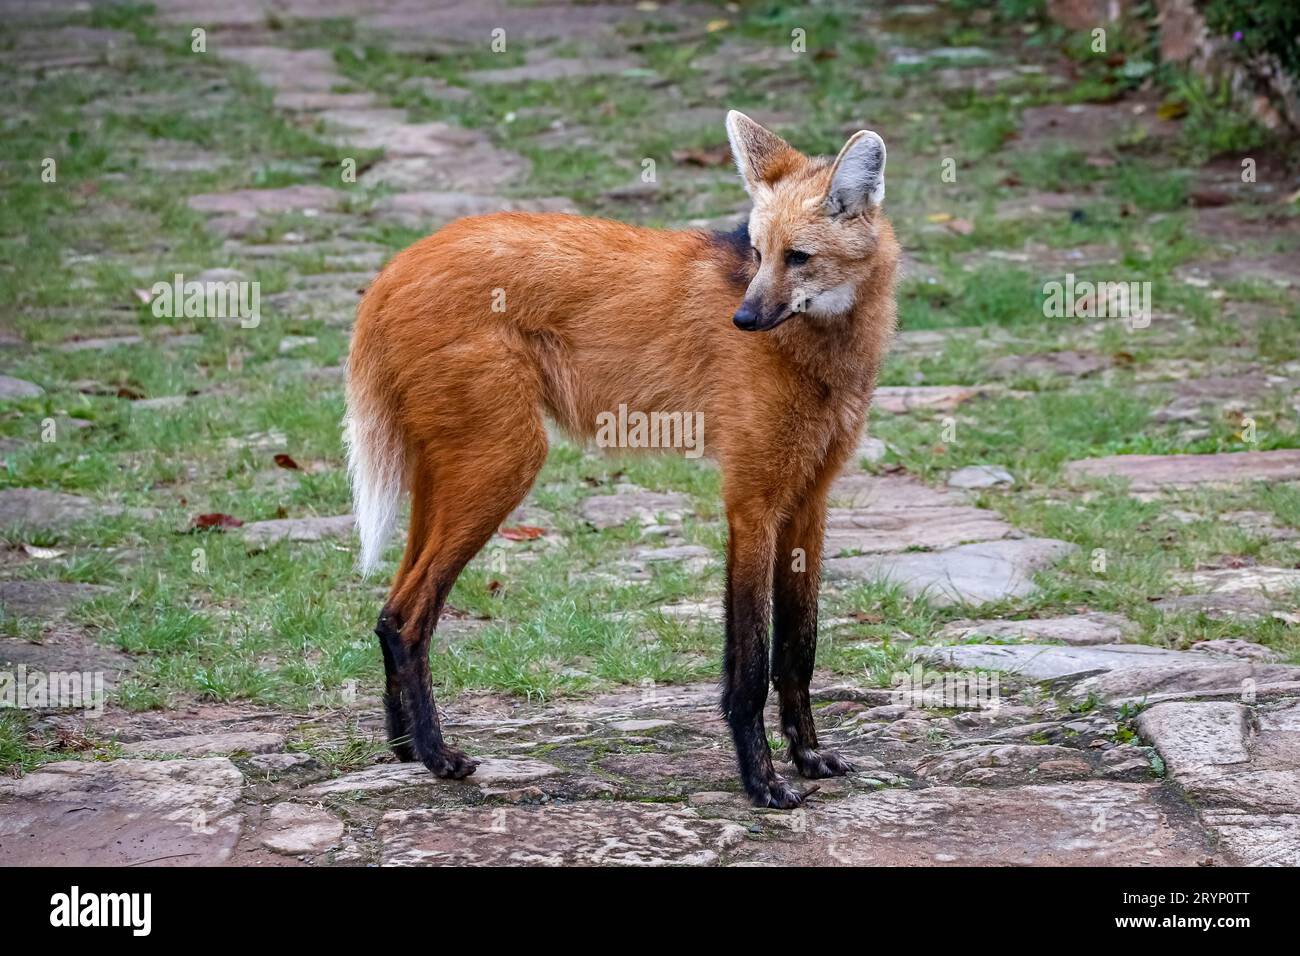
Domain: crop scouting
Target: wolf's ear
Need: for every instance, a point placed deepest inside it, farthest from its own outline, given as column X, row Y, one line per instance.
column 858, row 176
column 761, row 156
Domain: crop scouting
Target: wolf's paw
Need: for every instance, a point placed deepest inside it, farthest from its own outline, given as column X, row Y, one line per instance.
column 817, row 764
column 776, row 794
column 450, row 763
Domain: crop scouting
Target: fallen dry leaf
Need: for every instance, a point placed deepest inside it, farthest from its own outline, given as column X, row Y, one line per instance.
column 708, row 156
column 215, row 520
column 1209, row 198
column 863, row 617
column 1171, row 110
column 522, row 532
column 284, row 461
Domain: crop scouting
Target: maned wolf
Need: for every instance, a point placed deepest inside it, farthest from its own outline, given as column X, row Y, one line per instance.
column 775, row 332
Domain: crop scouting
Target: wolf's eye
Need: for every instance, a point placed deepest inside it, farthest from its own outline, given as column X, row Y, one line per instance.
column 794, row 257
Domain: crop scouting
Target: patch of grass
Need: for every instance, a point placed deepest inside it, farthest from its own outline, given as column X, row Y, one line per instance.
column 1031, row 436
column 1157, row 192
column 19, row 752
column 355, row 751
column 1055, row 168
column 1005, row 297
column 1213, row 123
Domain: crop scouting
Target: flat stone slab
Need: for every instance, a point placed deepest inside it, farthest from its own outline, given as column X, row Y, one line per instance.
column 1077, row 629
column 1202, row 399
column 1001, row 763
column 588, row 833
column 1048, row 661
column 260, row 202
column 1276, row 582
column 304, row 80
column 692, row 558
column 1070, row 363
column 480, row 168
column 491, row 772
column 45, row 599
column 1081, row 823
column 870, row 530
column 900, row 399
column 970, row 573
column 1224, row 679
column 260, row 534
column 424, row 208
column 630, row 503
column 208, row 745
column 1156, row 472
column 541, row 67
column 423, row 156
column 1236, row 647
column 873, row 513
column 1243, row 779
column 870, row 450
column 1278, row 268
column 1194, row 736
column 121, row 813
column 101, row 343
column 930, row 341
column 639, row 726
column 672, row 772
column 710, row 611
column 858, row 489
column 1257, row 839
column 64, row 654
column 14, row 388
column 287, row 69
column 61, row 47
column 38, row 509
column 309, row 101
column 980, row 476
column 294, row 829
column 1091, row 125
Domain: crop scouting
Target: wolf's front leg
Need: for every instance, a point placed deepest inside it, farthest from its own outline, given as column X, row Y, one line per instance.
column 750, row 547
column 797, row 578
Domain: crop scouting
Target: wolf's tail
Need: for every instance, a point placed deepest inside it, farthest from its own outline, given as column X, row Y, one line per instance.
column 376, row 465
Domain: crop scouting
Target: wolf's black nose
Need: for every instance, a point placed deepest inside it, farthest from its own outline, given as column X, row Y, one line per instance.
column 746, row 317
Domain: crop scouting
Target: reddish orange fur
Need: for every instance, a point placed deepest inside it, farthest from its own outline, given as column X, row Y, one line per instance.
column 597, row 313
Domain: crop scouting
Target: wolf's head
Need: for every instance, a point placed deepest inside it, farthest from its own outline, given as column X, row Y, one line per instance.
column 814, row 223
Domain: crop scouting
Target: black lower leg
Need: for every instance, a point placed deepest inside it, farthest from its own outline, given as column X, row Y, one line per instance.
column 418, row 713
column 422, row 719
column 389, row 632
column 744, row 692
column 793, row 658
